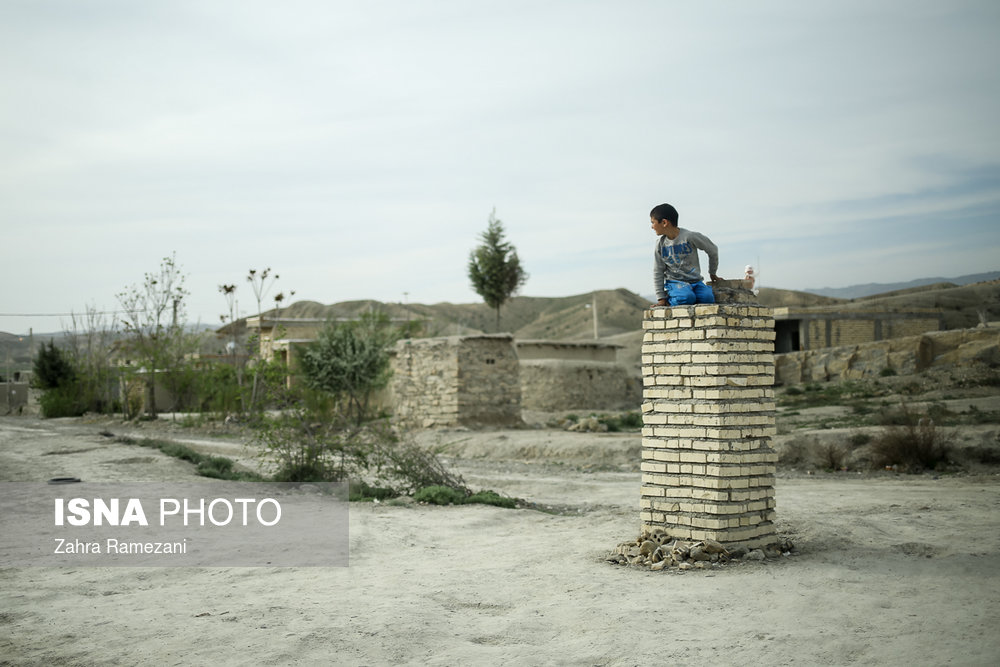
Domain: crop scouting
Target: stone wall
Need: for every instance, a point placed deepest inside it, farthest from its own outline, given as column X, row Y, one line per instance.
column 708, row 418
column 551, row 385
column 458, row 380
column 902, row 356
column 575, row 375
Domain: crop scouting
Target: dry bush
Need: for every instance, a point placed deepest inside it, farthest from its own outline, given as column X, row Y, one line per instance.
column 793, row 452
column 915, row 444
column 831, row 456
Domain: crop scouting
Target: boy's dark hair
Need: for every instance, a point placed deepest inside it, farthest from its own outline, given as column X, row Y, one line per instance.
column 664, row 212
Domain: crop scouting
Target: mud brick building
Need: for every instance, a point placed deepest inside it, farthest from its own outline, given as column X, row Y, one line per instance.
column 708, row 419
column 457, row 380
column 816, row 328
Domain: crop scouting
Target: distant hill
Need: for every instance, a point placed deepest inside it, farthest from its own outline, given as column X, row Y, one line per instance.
column 619, row 314
column 564, row 318
column 869, row 289
column 783, row 298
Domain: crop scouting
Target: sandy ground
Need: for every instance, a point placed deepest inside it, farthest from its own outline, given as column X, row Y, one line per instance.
column 890, row 571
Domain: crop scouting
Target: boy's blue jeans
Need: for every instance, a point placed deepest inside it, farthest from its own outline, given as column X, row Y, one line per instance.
column 685, row 294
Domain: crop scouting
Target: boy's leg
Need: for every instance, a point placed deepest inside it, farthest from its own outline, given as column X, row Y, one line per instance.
column 703, row 293
column 679, row 294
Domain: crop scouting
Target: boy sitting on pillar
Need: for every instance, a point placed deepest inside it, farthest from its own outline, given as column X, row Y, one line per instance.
column 676, row 270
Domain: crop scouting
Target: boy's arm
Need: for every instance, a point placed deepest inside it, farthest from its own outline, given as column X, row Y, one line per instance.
column 658, row 270
column 704, row 243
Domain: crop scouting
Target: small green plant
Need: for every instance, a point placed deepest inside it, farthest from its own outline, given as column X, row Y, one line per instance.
column 361, row 490
column 491, row 498
column 627, row 421
column 887, row 372
column 447, row 495
column 217, row 467
column 439, row 495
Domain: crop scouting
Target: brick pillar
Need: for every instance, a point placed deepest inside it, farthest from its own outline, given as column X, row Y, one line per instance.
column 708, row 419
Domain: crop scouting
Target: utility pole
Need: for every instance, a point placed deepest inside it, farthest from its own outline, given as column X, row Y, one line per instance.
column 594, row 309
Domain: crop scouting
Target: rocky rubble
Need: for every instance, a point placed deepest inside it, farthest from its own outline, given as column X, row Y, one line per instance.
column 658, row 551
column 586, row 425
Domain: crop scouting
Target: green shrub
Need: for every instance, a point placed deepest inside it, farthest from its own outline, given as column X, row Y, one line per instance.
column 887, row 372
column 61, row 402
column 218, row 389
column 492, row 498
column 217, row 467
column 447, row 495
column 178, row 451
column 440, row 495
column 362, row 490
column 53, row 368
column 627, row 421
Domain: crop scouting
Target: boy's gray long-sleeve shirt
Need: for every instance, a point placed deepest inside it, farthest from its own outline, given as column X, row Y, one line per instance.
column 677, row 259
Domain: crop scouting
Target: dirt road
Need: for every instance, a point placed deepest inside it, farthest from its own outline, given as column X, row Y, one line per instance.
column 891, row 571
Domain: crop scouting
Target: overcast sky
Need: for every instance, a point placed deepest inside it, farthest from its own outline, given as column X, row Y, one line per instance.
column 358, row 148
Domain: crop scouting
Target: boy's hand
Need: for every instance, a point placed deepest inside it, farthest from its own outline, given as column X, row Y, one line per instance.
column 661, row 302
column 714, row 277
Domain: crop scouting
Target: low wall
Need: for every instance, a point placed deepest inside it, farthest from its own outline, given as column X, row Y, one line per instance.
column 961, row 347
column 13, row 397
column 567, row 350
column 551, row 385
